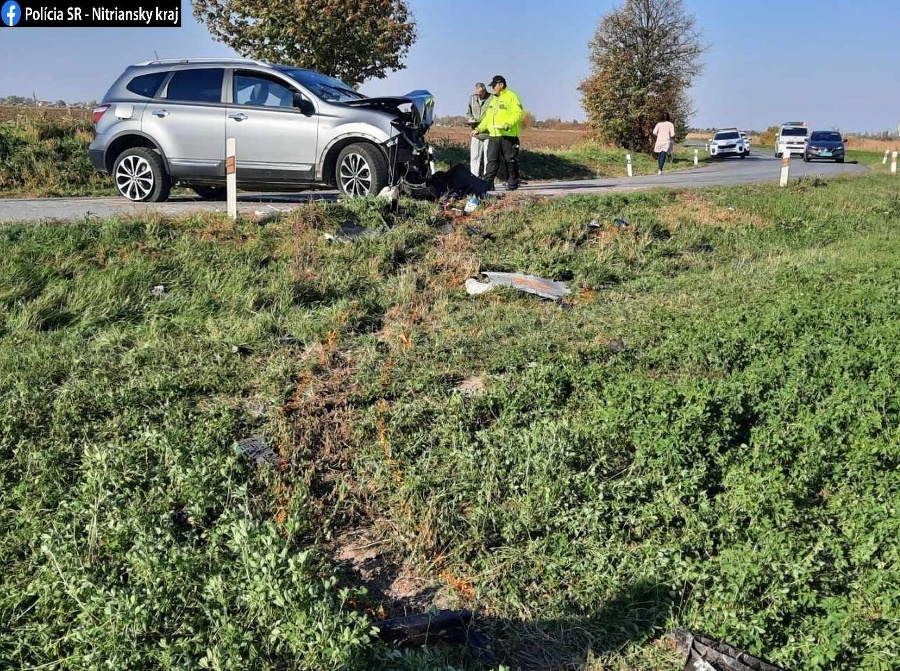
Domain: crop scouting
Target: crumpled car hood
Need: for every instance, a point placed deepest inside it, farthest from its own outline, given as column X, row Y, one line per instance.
column 419, row 113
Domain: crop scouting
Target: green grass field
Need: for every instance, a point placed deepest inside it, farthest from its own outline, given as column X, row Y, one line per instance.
column 705, row 435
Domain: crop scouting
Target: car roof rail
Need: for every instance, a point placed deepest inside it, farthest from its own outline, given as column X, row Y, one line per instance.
column 221, row 59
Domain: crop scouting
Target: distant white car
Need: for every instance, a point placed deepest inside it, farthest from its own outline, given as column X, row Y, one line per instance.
column 791, row 138
column 727, row 142
column 746, row 139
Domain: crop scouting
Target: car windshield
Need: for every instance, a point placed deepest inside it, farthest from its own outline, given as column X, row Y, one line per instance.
column 323, row 86
column 826, row 136
column 798, row 132
column 730, row 135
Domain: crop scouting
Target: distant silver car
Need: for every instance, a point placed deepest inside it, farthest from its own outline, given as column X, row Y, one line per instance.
column 166, row 122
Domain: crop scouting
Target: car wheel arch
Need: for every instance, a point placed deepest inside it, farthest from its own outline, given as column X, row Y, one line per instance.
column 127, row 141
column 331, row 154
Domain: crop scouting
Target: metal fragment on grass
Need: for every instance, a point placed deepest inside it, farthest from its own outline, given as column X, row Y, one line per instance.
column 256, row 448
column 703, row 653
column 348, row 232
column 532, row 284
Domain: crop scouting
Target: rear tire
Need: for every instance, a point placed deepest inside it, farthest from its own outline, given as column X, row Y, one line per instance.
column 140, row 176
column 777, row 155
column 361, row 170
column 210, row 192
column 839, row 160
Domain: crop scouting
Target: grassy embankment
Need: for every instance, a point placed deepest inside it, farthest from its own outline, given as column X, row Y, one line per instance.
column 706, row 435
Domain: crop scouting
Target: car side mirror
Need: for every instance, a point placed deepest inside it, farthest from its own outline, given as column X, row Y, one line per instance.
column 305, row 106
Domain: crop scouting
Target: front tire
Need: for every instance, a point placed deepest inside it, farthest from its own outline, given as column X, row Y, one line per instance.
column 806, row 158
column 140, row 176
column 361, row 170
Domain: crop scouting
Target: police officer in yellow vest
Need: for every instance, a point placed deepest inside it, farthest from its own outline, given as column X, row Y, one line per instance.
column 501, row 122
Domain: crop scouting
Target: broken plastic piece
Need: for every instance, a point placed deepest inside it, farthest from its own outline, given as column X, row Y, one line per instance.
column 474, row 287
column 256, row 448
column 389, row 193
column 621, row 223
column 532, row 284
column 348, row 232
column 158, row 290
column 702, row 653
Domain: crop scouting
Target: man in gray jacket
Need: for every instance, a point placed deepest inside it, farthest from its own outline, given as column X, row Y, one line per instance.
column 478, row 104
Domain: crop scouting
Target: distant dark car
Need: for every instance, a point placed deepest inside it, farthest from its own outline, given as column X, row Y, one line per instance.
column 824, row 144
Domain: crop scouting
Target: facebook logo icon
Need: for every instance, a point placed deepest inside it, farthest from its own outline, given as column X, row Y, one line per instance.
column 11, row 13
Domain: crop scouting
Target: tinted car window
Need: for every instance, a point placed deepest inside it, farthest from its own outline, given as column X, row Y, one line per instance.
column 727, row 136
column 202, row 86
column 146, row 85
column 793, row 132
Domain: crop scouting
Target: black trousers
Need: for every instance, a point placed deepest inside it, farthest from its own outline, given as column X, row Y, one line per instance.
column 507, row 148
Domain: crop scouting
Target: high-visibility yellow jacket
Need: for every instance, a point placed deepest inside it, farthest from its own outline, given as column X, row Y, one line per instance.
column 505, row 109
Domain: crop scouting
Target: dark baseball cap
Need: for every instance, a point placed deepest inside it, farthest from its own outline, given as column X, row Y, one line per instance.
column 498, row 79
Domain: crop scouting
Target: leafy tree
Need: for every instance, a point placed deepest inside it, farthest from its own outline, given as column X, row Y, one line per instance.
column 644, row 56
column 353, row 40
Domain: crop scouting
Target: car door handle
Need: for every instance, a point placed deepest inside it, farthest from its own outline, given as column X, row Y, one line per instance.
column 160, row 113
column 240, row 116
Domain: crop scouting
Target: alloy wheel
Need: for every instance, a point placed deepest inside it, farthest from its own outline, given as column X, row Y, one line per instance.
column 134, row 177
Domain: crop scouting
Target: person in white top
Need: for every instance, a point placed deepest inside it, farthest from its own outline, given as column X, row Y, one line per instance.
column 664, row 132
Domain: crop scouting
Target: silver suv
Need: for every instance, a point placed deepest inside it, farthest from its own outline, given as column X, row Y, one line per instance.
column 166, row 122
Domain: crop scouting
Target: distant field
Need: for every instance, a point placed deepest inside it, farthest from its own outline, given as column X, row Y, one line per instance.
column 532, row 138
column 13, row 112
column 867, row 144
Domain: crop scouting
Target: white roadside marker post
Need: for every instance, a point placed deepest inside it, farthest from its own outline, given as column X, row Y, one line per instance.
column 230, row 178
column 628, row 165
column 886, row 152
column 785, row 168
column 894, row 163
column 696, row 159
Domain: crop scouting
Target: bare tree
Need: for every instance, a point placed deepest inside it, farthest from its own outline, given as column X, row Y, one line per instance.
column 644, row 57
column 353, row 40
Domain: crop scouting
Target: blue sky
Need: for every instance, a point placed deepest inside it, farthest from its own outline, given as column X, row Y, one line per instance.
column 833, row 63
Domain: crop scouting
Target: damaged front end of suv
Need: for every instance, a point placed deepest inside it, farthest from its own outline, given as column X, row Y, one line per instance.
column 410, row 157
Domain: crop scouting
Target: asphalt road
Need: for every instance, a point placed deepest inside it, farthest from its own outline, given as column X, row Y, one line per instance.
column 757, row 167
